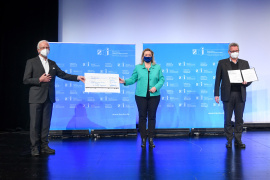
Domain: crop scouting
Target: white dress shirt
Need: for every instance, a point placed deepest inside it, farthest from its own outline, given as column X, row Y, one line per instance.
column 45, row 64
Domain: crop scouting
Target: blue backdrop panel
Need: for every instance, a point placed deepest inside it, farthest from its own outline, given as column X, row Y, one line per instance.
column 187, row 97
column 76, row 109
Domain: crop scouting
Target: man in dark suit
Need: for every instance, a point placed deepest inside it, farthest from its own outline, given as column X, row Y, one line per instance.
column 40, row 74
column 233, row 95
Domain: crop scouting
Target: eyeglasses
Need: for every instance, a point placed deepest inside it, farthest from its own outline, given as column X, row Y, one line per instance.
column 44, row 47
column 234, row 51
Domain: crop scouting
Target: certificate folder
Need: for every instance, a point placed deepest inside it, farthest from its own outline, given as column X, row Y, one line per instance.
column 239, row 76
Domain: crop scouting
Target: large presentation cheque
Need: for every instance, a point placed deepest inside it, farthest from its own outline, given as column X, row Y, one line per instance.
column 102, row 83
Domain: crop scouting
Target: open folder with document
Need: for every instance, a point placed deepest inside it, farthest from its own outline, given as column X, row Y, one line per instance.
column 239, row 76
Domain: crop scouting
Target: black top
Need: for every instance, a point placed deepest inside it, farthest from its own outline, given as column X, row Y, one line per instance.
column 148, row 92
column 235, row 87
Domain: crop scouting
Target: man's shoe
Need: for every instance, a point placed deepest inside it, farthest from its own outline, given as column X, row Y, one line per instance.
column 240, row 145
column 229, row 145
column 143, row 142
column 47, row 150
column 35, row 151
column 151, row 143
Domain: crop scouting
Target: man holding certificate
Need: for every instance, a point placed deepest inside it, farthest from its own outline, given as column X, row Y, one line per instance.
column 233, row 93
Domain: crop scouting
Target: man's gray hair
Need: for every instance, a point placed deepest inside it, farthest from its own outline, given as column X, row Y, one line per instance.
column 233, row 44
column 40, row 42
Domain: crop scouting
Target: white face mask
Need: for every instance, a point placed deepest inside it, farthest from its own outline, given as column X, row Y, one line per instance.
column 235, row 55
column 45, row 52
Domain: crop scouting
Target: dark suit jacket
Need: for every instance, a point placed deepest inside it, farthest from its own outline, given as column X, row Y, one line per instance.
column 222, row 76
column 39, row 91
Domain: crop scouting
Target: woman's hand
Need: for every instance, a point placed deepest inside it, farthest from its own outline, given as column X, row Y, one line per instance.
column 122, row 81
column 153, row 89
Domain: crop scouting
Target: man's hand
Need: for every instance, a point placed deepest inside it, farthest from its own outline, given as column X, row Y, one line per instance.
column 122, row 81
column 45, row 78
column 244, row 82
column 217, row 99
column 153, row 89
column 81, row 78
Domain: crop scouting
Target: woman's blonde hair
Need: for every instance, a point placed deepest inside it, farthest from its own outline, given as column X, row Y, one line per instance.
column 153, row 59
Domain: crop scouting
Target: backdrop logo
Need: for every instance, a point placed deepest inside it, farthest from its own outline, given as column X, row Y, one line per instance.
column 199, row 51
column 105, row 52
column 99, row 52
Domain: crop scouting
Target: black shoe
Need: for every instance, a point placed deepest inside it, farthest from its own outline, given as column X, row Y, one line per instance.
column 151, row 143
column 35, row 151
column 240, row 145
column 143, row 142
column 47, row 150
column 229, row 145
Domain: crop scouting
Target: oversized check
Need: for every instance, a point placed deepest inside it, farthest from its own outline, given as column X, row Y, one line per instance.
column 102, row 83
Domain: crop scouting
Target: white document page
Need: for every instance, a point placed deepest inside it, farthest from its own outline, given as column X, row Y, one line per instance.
column 235, row 76
column 249, row 75
column 102, row 83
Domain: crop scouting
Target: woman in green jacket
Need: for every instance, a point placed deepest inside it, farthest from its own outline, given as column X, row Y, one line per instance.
column 150, row 79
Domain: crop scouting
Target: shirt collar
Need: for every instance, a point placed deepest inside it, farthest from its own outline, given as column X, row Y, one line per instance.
column 152, row 66
column 233, row 62
column 43, row 59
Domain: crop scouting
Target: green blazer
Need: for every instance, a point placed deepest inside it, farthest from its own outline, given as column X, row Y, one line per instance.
column 140, row 75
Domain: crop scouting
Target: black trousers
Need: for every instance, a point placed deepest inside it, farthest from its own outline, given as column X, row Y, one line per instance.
column 40, row 121
column 147, row 107
column 236, row 105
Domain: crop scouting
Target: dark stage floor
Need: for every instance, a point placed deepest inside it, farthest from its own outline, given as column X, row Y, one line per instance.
column 122, row 158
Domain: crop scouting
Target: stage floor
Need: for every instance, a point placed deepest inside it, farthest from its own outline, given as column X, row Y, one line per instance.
column 119, row 158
